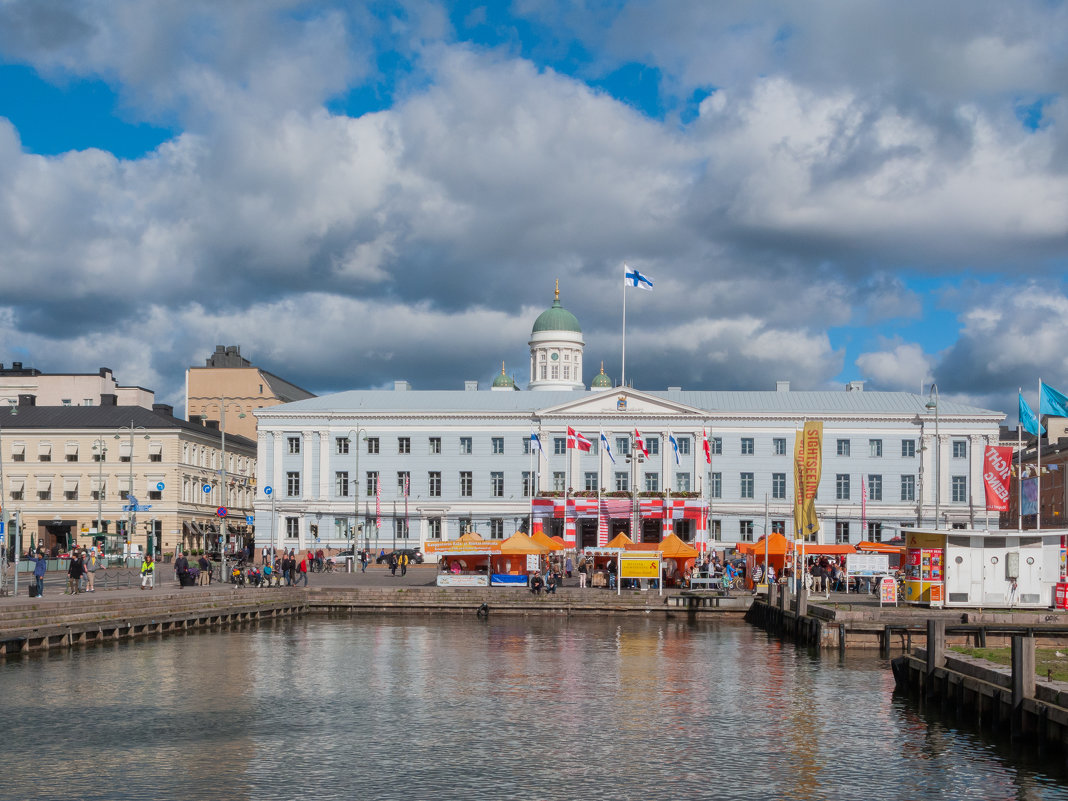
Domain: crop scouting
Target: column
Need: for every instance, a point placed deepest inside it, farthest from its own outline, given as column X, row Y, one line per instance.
column 977, row 444
column 944, row 494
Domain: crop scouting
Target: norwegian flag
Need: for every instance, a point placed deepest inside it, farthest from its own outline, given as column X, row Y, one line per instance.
column 639, row 443
column 705, row 445
column 576, row 440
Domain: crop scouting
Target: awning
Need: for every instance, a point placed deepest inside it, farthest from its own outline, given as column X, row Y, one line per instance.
column 18, row 449
column 70, row 484
column 44, row 484
column 72, row 449
column 124, row 483
column 97, row 484
column 880, row 547
column 44, row 449
column 125, row 450
column 155, row 449
column 16, row 485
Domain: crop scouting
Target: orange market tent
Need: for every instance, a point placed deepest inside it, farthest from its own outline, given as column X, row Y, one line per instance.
column 513, row 553
column 542, row 538
column 621, row 540
column 778, row 545
column 559, row 541
column 880, row 547
column 682, row 556
column 830, row 549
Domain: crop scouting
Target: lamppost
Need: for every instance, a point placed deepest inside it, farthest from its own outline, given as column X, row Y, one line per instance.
column 131, row 499
column 224, row 534
column 354, row 440
column 932, row 404
column 634, row 458
column 101, row 449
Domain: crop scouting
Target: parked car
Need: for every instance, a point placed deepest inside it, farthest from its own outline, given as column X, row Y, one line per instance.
column 415, row 556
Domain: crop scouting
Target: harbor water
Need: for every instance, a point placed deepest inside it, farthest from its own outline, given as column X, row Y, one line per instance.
column 511, row 708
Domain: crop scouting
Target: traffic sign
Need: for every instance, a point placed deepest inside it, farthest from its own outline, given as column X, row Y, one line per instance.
column 132, row 499
column 159, row 486
column 206, row 488
column 221, row 511
column 138, row 507
column 250, row 519
column 268, row 490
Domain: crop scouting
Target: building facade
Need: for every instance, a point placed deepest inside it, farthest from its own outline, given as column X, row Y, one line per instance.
column 69, row 389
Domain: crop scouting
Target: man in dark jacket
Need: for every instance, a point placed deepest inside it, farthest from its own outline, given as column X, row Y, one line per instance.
column 74, row 574
column 181, row 567
column 39, row 567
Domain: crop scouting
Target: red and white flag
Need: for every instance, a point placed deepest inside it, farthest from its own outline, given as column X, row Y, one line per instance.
column 708, row 449
column 576, row 440
column 997, row 465
column 378, row 502
column 639, row 443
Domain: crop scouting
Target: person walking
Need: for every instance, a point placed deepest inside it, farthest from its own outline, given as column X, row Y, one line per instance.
column 302, row 570
column 74, row 574
column 393, row 564
column 148, row 573
column 582, row 574
column 403, row 562
column 181, row 568
column 363, row 561
column 92, row 564
column 39, row 567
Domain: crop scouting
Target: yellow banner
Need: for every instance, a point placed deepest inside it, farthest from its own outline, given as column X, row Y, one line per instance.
column 808, row 466
column 455, row 546
column 799, row 480
column 639, row 568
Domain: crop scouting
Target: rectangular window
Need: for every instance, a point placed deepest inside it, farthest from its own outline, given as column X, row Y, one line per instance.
column 497, row 484
column 465, row 445
column 684, row 445
column 747, row 446
column 875, row 531
column 715, row 488
column 745, row 530
column 960, row 489
column 778, row 486
column 292, row 527
column 591, row 482
column 715, row 445
column 98, row 495
column 682, row 482
column 841, row 533
column 779, row 446
column 746, row 485
column 652, row 482
column 467, row 484
column 294, row 444
column 528, row 483
column 559, row 446
column 498, row 444
column 155, row 456
column 433, row 528
column 124, row 495
column 875, row 488
column 466, row 524
column 70, row 495
column 843, row 447
column 841, row 486
column 526, row 446
column 403, row 482
column 496, row 528
column 434, row 484
column 652, row 444
column 434, row 446
column 908, row 488
column 715, row 530
column 341, row 484
column 404, row 444
column 559, row 484
column 372, row 483
column 292, row 485
column 155, row 495
column 960, row 449
column 908, row 448
column 778, row 527
column 372, row 445
column 623, row 445
column 622, row 482
column 341, row 446
column 876, row 448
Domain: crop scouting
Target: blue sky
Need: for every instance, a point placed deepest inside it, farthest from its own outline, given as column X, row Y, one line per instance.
column 362, row 193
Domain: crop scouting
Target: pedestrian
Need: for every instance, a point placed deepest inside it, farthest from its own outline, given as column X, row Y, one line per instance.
column 582, row 574
column 363, row 561
column 568, row 566
column 148, row 573
column 403, row 562
column 74, row 574
column 92, row 564
column 181, row 568
column 393, row 564
column 39, row 567
column 302, row 570
column 204, row 577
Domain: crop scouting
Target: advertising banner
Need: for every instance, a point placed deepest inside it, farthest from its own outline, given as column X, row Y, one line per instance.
column 996, row 465
column 639, row 568
column 808, row 466
column 1030, row 496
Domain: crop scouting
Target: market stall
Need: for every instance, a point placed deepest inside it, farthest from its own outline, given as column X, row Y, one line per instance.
column 677, row 557
column 516, row 558
column 464, row 562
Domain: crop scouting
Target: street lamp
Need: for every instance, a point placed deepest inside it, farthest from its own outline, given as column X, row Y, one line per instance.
column 131, row 499
column 224, row 534
column 932, row 404
column 354, row 439
column 635, row 458
column 101, row 449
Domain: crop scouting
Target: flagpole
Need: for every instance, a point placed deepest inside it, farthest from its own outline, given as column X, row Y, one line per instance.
column 531, row 488
column 1038, row 454
column 623, row 370
column 1019, row 469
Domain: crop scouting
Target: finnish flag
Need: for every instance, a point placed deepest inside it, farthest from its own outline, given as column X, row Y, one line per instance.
column 631, row 277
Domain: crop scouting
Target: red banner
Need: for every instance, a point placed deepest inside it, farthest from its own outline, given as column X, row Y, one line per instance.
column 996, row 466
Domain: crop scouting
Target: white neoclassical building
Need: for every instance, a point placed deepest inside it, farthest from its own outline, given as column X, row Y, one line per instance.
column 407, row 466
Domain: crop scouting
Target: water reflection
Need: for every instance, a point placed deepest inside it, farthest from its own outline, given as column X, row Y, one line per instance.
column 529, row 708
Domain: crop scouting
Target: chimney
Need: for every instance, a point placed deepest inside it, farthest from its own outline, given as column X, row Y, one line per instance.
column 470, row 386
column 27, row 400
column 109, row 399
column 401, row 386
column 674, row 389
column 164, row 409
column 16, row 365
column 782, row 386
column 855, row 386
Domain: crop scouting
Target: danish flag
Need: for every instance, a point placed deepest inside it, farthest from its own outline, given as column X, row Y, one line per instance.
column 639, row 443
column 576, row 440
column 708, row 450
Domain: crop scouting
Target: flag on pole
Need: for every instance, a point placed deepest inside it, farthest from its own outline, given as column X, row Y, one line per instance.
column 607, row 447
column 1052, row 402
column 631, row 277
column 1027, row 418
column 535, row 442
column 378, row 502
column 707, row 447
column 405, row 485
column 639, row 443
column 602, row 524
column 576, row 440
column 675, row 447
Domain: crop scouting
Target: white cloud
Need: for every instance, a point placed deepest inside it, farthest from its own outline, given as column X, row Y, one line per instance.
column 901, row 367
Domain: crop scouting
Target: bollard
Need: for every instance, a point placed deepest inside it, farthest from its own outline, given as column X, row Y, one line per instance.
column 1023, row 680
column 773, row 594
column 936, row 651
column 802, row 600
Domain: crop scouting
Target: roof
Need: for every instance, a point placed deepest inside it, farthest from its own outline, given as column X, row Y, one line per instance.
column 798, row 404
column 556, row 318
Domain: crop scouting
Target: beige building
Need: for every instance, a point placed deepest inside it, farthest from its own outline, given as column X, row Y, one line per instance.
column 228, row 375
column 69, row 389
column 66, row 467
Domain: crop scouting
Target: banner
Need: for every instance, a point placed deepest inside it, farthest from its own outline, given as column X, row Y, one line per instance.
column 1030, row 496
column 808, row 466
column 996, row 466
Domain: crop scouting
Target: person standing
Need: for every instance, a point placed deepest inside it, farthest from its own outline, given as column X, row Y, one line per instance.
column 74, row 574
column 393, row 564
column 582, row 574
column 181, row 568
column 204, row 577
column 92, row 564
column 148, row 573
column 569, row 566
column 363, row 561
column 39, row 567
column 302, row 570
column 403, row 561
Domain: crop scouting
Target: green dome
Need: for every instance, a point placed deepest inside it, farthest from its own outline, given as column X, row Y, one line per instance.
column 601, row 381
column 556, row 319
column 503, row 381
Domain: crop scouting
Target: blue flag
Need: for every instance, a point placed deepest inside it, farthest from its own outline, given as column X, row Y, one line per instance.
column 675, row 445
column 535, row 442
column 1052, row 402
column 1027, row 418
column 607, row 447
column 631, row 277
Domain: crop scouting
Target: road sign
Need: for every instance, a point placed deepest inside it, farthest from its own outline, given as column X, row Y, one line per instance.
column 140, row 507
column 250, row 519
column 159, row 486
column 268, row 490
column 206, row 488
column 1, row 528
column 132, row 499
column 221, row 511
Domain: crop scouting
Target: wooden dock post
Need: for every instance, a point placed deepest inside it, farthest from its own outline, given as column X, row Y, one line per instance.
column 773, row 594
column 936, row 651
column 1023, row 680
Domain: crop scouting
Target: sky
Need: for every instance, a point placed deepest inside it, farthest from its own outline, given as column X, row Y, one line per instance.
column 360, row 193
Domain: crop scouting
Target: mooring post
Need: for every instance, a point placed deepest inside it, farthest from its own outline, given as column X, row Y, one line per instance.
column 936, row 651
column 1023, row 680
column 773, row 594
column 782, row 599
column 802, row 601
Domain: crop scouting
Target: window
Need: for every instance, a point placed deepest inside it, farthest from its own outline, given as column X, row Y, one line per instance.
column 684, row 445
column 434, row 446
column 98, row 495
column 779, row 446
column 434, row 484
column 294, row 444
column 124, row 495
column 496, row 528
column 715, row 530
column 155, row 495
column 622, row 482
column 341, row 446
column 876, row 447
column 746, row 485
column 875, row 531
column 466, row 524
column 465, row 445
column 960, row 449
column 841, row 533
column 554, row 371
column 45, row 455
column 404, row 482
column 467, row 484
column 526, row 446
column 875, row 488
column 652, row 482
column 567, row 370
column 497, row 484
column 542, row 372
column 778, row 486
column 715, row 445
column 841, row 486
column 433, row 528
column 72, row 453
column 558, row 481
column 292, row 485
column 19, row 455
column 843, row 447
column 528, row 483
column 498, row 444
column 559, row 446
column 72, row 495
column 404, row 444
column 341, row 484
column 715, row 487
column 372, row 445
column 652, row 444
column 292, row 527
column 623, row 445
column 156, row 455
column 908, row 448
column 908, row 488
column 745, row 530
column 747, row 446
column 682, row 482
column 959, row 486
column 372, row 483
column 778, row 527
column 591, row 482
